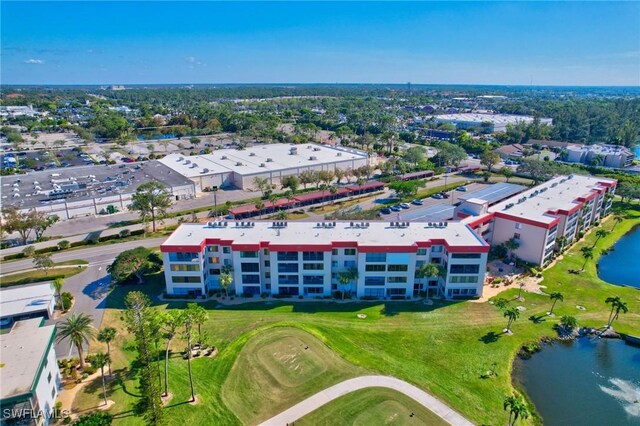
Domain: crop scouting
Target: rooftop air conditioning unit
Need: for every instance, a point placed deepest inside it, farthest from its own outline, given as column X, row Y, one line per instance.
column 339, row 154
column 313, row 158
column 205, row 170
column 187, row 161
column 252, row 154
column 224, row 157
column 180, row 159
column 316, row 149
column 269, row 160
column 238, row 164
column 263, row 165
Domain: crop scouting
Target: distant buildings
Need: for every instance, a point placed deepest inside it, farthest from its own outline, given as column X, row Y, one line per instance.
column 601, row 155
column 489, row 122
column 306, row 258
column 29, row 373
column 510, row 151
column 18, row 111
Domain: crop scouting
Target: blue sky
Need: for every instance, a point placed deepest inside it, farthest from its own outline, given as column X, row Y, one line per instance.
column 547, row 43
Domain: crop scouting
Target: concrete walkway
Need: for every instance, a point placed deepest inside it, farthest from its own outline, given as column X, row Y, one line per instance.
column 336, row 391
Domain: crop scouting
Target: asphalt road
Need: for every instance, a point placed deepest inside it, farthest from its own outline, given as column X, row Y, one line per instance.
column 101, row 255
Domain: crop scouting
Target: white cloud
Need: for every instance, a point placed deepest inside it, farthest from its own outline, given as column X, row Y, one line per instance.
column 34, row 61
column 192, row 62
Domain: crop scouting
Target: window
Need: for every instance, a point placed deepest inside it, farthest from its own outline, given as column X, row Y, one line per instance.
column 266, row 252
column 465, row 255
column 436, row 249
column 226, row 250
column 267, row 275
column 374, row 292
column 267, row 263
column 212, row 249
column 516, row 235
column 350, row 252
column 248, row 254
column 396, row 291
column 287, row 267
column 313, row 290
column 53, row 392
column 465, row 269
column 376, row 257
column 518, row 225
column 312, row 255
column 214, row 259
column 250, row 279
column 375, row 268
column 215, row 271
column 288, row 279
column 287, row 255
column 464, row 280
column 46, row 362
column 334, row 263
column 436, row 260
column 396, row 280
column 191, row 268
column 183, row 257
column 49, row 378
column 373, row 281
column 350, row 264
column 313, row 266
column 250, row 267
column 313, row 279
column 334, row 252
column 422, row 252
column 397, row 268
column 251, row 290
column 226, row 262
column 186, row 279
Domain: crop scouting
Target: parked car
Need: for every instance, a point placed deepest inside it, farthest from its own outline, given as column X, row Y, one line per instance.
column 461, row 189
column 417, row 202
column 395, row 208
column 437, row 196
column 404, row 205
column 385, row 211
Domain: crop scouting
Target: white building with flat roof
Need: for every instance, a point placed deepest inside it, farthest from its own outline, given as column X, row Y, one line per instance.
column 601, row 155
column 538, row 217
column 24, row 302
column 489, row 122
column 305, row 258
column 29, row 375
column 238, row 168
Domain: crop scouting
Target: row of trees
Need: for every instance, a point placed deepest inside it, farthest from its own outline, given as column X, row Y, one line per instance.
column 25, row 223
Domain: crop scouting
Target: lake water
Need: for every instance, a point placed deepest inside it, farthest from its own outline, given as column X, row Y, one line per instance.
column 587, row 382
column 622, row 266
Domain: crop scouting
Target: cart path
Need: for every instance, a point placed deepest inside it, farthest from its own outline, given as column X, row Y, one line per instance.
column 336, row 391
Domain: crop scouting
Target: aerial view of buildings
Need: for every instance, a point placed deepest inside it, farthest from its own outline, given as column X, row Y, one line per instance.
column 342, row 213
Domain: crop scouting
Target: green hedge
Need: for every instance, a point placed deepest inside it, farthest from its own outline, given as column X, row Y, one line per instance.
column 14, row 256
column 31, row 280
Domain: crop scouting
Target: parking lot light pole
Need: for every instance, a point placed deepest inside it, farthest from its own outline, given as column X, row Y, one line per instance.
column 215, row 201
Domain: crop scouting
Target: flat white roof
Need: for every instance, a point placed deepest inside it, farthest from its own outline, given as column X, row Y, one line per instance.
column 259, row 159
column 308, row 233
column 557, row 193
column 25, row 299
column 22, row 351
column 601, row 149
column 491, row 118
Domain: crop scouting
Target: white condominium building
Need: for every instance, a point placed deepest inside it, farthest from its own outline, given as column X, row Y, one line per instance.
column 538, row 217
column 306, row 258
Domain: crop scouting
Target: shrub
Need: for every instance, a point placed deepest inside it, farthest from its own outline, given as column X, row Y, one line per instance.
column 28, row 251
column 63, row 245
column 89, row 369
column 67, row 298
column 124, row 233
column 13, row 256
column 98, row 418
column 47, row 250
column 79, row 243
column 137, row 232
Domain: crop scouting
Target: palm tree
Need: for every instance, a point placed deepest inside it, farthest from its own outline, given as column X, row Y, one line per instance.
column 259, row 208
column 512, row 244
column 106, row 335
column 78, row 329
column 99, row 360
column 568, row 322
column 173, row 319
column 344, row 278
column 516, row 409
column 555, row 296
column 430, row 270
column 188, row 323
column 512, row 314
column 58, row 283
column 587, row 253
column 618, row 305
column 333, row 190
column 600, row 233
column 617, row 218
column 226, row 280
column 561, row 241
column 281, row 215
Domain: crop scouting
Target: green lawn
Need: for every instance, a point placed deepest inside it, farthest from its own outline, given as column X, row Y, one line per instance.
column 443, row 348
column 38, row 276
column 372, row 406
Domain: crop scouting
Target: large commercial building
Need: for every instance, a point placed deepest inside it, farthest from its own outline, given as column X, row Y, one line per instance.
column 29, row 373
column 602, row 155
column 489, row 122
column 305, row 258
column 538, row 217
column 228, row 168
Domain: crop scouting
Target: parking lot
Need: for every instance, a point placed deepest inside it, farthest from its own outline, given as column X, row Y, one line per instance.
column 41, row 160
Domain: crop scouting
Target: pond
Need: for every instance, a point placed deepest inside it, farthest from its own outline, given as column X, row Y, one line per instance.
column 587, row 382
column 621, row 265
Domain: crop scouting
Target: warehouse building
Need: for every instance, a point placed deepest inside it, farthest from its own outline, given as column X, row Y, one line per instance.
column 538, row 217
column 488, row 122
column 227, row 168
column 306, row 258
